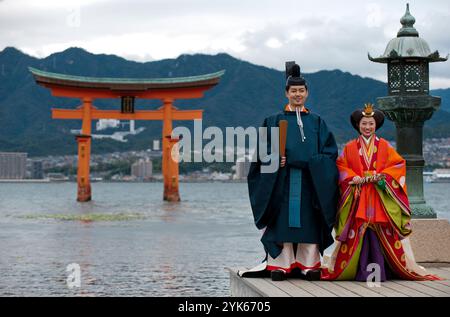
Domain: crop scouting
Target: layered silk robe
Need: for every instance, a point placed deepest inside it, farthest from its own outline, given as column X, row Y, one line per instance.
column 384, row 208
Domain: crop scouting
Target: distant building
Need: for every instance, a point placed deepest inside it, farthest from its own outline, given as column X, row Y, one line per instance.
column 217, row 176
column 242, row 168
column 103, row 124
column 142, row 169
column 57, row 177
column 156, row 145
column 440, row 176
column 13, row 165
column 37, row 171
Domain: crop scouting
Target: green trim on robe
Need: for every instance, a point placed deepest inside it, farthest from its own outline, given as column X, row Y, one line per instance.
column 350, row 271
column 395, row 212
column 399, row 218
column 343, row 214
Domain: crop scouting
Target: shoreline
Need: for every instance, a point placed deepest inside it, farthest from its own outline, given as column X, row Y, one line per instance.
column 103, row 181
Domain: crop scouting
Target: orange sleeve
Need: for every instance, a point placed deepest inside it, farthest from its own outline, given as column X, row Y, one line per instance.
column 395, row 168
column 346, row 173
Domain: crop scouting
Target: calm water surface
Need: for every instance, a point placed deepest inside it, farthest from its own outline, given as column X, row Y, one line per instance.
column 163, row 249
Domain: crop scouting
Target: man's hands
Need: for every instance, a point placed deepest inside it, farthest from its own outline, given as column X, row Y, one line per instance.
column 283, row 161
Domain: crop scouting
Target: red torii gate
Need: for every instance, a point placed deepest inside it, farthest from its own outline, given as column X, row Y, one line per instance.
column 89, row 88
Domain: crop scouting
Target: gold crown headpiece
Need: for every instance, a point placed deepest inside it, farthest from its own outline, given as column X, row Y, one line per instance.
column 368, row 110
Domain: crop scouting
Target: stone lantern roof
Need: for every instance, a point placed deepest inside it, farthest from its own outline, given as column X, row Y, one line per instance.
column 408, row 44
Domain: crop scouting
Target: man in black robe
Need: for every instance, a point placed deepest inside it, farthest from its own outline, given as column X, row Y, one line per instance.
column 295, row 205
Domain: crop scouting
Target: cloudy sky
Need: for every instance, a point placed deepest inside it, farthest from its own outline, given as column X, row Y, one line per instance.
column 318, row 34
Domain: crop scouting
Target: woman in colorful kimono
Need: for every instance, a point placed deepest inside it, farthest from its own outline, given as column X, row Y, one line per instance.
column 374, row 218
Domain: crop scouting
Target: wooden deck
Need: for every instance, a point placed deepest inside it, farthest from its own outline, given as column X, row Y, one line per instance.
column 265, row 287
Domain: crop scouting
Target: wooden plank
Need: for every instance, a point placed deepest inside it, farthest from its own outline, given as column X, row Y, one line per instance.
column 335, row 289
column 301, row 288
column 258, row 285
column 421, row 288
column 441, row 272
column 289, row 288
column 443, row 285
column 445, row 268
column 443, row 282
column 403, row 289
column 438, row 286
column 265, row 288
column 382, row 290
column 311, row 288
column 240, row 289
column 358, row 289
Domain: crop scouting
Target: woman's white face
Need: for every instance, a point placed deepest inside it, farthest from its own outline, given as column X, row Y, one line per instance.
column 367, row 126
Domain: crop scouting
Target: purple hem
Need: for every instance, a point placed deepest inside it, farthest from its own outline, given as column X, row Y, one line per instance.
column 371, row 253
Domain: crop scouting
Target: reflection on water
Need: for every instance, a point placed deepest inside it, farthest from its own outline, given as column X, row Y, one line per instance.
column 170, row 249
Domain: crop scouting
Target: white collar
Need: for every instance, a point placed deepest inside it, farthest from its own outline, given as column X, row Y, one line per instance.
column 367, row 140
column 290, row 108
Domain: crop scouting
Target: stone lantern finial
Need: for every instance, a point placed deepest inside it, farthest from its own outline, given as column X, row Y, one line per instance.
column 407, row 22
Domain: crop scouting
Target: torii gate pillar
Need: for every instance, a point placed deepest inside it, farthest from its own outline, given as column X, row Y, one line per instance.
column 84, row 152
column 169, row 158
column 84, row 184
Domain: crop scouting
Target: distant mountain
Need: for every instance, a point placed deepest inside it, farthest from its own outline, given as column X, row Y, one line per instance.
column 245, row 95
column 445, row 98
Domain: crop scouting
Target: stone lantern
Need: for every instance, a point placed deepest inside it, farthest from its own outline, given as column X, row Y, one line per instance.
column 409, row 104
